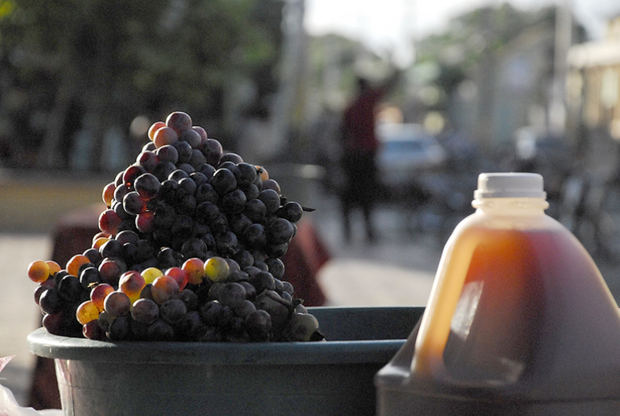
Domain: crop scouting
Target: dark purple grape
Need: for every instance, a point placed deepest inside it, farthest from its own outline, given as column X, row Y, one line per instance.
column 133, row 204
column 223, row 181
column 145, row 222
column 187, row 185
column 271, row 199
column 144, row 250
column 247, row 173
column 168, row 190
column 145, row 311
column 200, row 229
column 129, row 253
column 209, row 240
column 231, row 157
column 278, row 309
column 206, row 192
column 238, row 223
column 279, row 230
column 147, row 160
column 210, row 312
column 166, row 258
column 38, row 291
column 177, row 175
column 219, row 224
column 191, row 327
column 119, row 328
column 138, row 330
column 186, row 205
column 212, row 150
column 206, row 169
column 276, row 250
column 179, row 121
column 251, row 191
column 276, row 267
column 127, row 237
column 231, row 167
column 120, row 211
column 160, row 330
column 258, row 325
column 272, row 184
column 147, row 185
column 117, row 304
column 232, row 294
column 254, row 235
column 54, row 323
column 199, row 178
column 255, row 210
column 183, row 226
column 111, row 269
column 244, row 258
column 250, row 290
column 187, row 167
column 233, row 202
column 131, row 173
column 202, row 132
column 252, row 270
column 93, row 255
column 69, row 288
column 263, row 281
column 118, row 179
column 50, row 302
column 120, row 192
column 287, row 287
column 92, row 330
column 172, row 310
column 149, row 147
column 192, row 137
column 190, row 298
column 163, row 170
column 197, row 159
column 167, row 153
column 194, row 247
column 89, row 276
column 291, row 211
column 227, row 243
column 184, row 150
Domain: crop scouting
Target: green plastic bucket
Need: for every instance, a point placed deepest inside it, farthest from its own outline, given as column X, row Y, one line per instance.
column 334, row 377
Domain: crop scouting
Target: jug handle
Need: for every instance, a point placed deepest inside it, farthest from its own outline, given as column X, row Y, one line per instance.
column 447, row 287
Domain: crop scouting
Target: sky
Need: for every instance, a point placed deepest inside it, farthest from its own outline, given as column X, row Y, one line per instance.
column 389, row 24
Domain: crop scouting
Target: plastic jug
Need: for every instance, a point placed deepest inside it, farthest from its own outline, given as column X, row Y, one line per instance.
column 519, row 319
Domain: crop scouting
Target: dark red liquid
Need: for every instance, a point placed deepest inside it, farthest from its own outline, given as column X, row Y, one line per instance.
column 533, row 305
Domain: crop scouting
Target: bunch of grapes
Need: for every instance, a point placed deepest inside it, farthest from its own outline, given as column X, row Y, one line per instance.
column 190, row 249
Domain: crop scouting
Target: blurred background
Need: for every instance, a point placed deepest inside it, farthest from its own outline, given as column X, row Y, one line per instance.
column 516, row 85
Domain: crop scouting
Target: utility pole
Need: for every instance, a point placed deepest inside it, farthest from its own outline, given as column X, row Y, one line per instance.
column 563, row 39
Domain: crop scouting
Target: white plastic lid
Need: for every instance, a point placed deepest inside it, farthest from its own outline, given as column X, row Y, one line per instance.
column 510, row 185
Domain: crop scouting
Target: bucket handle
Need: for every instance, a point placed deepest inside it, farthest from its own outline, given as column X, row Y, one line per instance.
column 447, row 287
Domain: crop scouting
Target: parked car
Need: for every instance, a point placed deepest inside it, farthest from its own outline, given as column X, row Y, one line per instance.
column 406, row 152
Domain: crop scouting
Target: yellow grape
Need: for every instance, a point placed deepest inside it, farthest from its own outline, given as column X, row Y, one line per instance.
column 38, row 271
column 217, row 269
column 150, row 274
column 86, row 312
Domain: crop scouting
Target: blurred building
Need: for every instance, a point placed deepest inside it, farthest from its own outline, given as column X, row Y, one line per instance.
column 593, row 97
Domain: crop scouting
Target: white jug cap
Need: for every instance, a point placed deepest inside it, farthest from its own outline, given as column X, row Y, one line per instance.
column 510, row 185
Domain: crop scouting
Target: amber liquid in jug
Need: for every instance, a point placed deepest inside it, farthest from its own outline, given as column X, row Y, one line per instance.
column 519, row 314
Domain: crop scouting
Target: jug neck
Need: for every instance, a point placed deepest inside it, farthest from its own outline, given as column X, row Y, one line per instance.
column 511, row 206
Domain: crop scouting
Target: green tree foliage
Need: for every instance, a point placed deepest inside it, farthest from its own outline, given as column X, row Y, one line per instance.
column 71, row 63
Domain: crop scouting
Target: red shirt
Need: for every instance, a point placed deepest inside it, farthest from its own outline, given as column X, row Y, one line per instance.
column 359, row 122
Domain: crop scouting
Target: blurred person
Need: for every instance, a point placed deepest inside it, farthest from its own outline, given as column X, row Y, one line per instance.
column 359, row 150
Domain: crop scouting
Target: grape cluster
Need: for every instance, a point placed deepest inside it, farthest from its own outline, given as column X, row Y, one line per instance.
column 189, row 248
